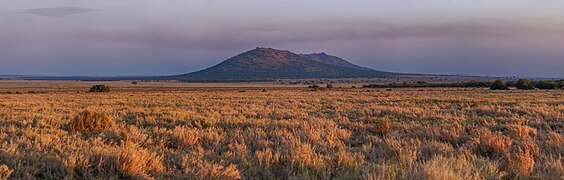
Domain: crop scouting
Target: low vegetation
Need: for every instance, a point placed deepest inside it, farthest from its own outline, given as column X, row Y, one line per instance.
column 99, row 88
column 545, row 84
column 88, row 121
column 418, row 84
column 221, row 133
column 525, row 84
column 499, row 84
column 315, row 86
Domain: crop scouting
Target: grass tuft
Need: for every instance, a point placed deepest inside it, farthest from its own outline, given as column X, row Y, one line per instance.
column 90, row 121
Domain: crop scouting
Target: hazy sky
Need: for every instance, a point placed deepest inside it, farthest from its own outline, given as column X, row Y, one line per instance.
column 165, row 37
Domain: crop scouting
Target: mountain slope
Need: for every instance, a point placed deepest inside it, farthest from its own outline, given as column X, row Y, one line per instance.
column 262, row 64
column 334, row 60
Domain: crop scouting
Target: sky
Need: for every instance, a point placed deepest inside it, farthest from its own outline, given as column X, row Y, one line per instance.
column 166, row 37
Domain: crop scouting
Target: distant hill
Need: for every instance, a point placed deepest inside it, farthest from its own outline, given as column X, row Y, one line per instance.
column 262, row 64
column 334, row 60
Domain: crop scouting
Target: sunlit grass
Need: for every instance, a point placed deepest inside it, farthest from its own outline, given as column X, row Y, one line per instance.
column 283, row 133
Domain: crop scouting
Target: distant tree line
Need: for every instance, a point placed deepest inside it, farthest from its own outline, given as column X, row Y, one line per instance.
column 527, row 84
column 427, row 84
column 498, row 84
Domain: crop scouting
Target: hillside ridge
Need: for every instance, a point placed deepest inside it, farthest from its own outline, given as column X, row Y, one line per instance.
column 263, row 64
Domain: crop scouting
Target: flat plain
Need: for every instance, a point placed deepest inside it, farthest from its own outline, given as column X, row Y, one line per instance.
column 162, row 130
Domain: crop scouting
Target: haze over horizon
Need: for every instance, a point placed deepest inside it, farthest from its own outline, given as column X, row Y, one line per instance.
column 146, row 37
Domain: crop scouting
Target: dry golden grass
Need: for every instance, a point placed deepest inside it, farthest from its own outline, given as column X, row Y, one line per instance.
column 5, row 172
column 281, row 133
column 88, row 121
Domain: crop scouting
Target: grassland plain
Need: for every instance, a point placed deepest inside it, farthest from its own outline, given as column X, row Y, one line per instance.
column 238, row 132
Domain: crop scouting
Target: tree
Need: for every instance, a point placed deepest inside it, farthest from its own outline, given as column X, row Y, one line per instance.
column 546, row 84
column 100, row 88
column 499, row 84
column 525, row 84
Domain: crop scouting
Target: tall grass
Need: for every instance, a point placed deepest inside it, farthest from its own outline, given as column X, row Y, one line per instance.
column 283, row 134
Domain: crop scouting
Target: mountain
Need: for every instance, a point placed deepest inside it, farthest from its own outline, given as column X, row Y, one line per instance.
column 263, row 64
column 334, row 60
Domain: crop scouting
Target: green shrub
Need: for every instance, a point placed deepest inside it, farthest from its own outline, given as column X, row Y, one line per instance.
column 510, row 83
column 499, row 84
column 100, row 88
column 525, row 84
column 561, row 84
column 546, row 84
column 329, row 86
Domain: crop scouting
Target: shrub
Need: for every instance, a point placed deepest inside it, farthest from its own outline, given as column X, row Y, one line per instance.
column 499, row 84
column 99, row 88
column 315, row 86
column 525, row 84
column 510, row 83
column 329, row 86
column 382, row 126
column 88, row 121
column 198, row 168
column 560, row 83
column 492, row 145
column 461, row 167
column 546, row 84
column 5, row 172
column 135, row 162
column 520, row 132
column 518, row 162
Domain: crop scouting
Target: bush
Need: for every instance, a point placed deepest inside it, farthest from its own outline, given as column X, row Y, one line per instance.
column 5, row 172
column 546, row 84
column 382, row 126
column 499, row 84
column 560, row 83
column 313, row 86
column 99, row 88
column 525, row 84
column 134, row 162
column 88, row 121
column 518, row 162
column 510, row 83
column 329, row 86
